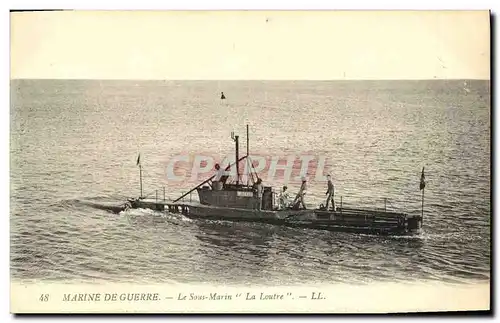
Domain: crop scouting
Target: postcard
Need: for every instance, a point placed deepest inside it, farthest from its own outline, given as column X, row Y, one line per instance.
column 250, row 161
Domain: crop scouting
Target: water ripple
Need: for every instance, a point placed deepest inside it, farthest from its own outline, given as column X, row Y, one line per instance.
column 73, row 150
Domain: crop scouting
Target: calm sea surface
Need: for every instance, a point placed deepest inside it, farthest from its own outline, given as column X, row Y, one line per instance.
column 74, row 146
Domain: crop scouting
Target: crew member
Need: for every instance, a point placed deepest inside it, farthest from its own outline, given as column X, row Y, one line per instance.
column 284, row 197
column 299, row 199
column 259, row 190
column 219, row 173
column 330, row 192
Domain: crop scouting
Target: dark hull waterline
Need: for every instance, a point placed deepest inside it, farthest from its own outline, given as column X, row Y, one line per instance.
column 347, row 220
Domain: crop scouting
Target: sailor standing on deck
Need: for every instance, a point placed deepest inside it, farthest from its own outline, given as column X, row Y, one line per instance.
column 299, row 199
column 284, row 196
column 219, row 173
column 259, row 190
column 330, row 192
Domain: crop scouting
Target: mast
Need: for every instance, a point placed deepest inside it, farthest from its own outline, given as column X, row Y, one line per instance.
column 237, row 158
column 138, row 163
column 248, row 143
column 249, row 171
column 237, row 153
column 140, row 177
column 423, row 190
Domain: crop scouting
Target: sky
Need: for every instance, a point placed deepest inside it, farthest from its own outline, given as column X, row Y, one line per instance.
column 256, row 45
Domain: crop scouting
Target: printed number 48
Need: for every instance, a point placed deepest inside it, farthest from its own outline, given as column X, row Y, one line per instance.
column 44, row 297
